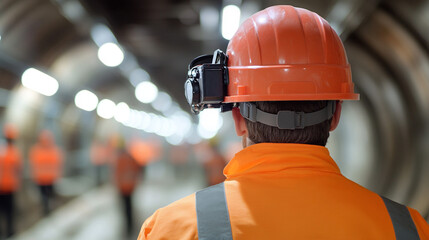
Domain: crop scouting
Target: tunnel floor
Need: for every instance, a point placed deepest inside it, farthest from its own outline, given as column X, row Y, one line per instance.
column 97, row 214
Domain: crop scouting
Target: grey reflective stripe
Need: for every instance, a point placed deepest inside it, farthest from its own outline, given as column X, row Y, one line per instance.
column 287, row 119
column 212, row 214
column 401, row 220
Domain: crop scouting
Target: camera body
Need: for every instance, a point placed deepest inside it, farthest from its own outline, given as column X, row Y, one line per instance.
column 207, row 82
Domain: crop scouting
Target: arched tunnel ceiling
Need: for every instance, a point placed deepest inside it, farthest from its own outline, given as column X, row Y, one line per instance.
column 163, row 35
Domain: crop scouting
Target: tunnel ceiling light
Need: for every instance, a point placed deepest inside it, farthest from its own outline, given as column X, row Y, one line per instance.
column 162, row 102
column 106, row 109
column 230, row 21
column 209, row 18
column 73, row 10
column 174, row 139
column 39, row 82
column 110, row 54
column 210, row 121
column 182, row 121
column 101, row 34
column 146, row 92
column 122, row 112
column 86, row 100
column 138, row 75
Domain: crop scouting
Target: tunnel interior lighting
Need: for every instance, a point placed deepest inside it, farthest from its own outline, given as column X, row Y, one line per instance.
column 162, row 102
column 39, row 82
column 168, row 128
column 110, row 54
column 146, row 92
column 122, row 112
column 174, row 139
column 209, row 18
column 193, row 137
column 73, row 10
column 139, row 75
column 86, row 100
column 210, row 121
column 230, row 21
column 106, row 109
column 182, row 121
column 101, row 34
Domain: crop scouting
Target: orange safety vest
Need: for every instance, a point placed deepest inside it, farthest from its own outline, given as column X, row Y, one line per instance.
column 286, row 191
column 46, row 164
column 127, row 172
column 10, row 167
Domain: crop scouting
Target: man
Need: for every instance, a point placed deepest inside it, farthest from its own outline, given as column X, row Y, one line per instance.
column 46, row 162
column 126, row 174
column 10, row 175
column 287, row 74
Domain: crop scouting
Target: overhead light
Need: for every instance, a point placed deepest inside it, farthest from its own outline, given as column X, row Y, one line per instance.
column 230, row 21
column 162, row 102
column 39, row 82
column 101, row 34
column 73, row 10
column 133, row 119
column 174, row 139
column 110, row 54
column 122, row 112
column 146, row 92
column 209, row 18
column 168, row 127
column 106, row 109
column 86, row 100
column 193, row 137
column 210, row 121
column 182, row 121
column 139, row 75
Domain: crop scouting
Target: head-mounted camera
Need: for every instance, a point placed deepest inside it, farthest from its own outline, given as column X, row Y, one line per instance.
column 207, row 82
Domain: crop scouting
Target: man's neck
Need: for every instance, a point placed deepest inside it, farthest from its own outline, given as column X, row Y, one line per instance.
column 246, row 142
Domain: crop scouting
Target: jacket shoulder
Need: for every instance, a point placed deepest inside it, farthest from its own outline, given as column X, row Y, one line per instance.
column 175, row 221
column 421, row 225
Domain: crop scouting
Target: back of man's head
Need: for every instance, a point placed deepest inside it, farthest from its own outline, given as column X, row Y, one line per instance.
column 316, row 134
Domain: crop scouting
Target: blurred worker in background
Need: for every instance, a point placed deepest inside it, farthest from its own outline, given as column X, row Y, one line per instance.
column 46, row 161
column 126, row 175
column 100, row 155
column 10, row 175
column 284, row 75
column 213, row 161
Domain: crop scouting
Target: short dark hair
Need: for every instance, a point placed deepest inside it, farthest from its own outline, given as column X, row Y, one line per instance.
column 316, row 134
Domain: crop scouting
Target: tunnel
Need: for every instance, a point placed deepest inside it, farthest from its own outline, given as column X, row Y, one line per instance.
column 111, row 74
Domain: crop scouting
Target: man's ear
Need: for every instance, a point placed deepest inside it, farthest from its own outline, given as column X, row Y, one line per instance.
column 240, row 123
column 336, row 117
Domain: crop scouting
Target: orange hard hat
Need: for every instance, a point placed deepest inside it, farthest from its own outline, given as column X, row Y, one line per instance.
column 284, row 53
column 10, row 131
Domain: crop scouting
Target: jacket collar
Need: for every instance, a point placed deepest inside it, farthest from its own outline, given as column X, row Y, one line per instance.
column 277, row 157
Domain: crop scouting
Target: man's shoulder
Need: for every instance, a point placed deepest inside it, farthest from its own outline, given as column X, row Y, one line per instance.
column 176, row 219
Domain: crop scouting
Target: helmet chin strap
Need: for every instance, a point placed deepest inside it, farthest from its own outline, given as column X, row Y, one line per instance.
column 287, row 119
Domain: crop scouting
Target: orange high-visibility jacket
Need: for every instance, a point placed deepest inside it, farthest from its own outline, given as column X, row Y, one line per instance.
column 286, row 191
column 10, row 168
column 46, row 162
column 127, row 172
